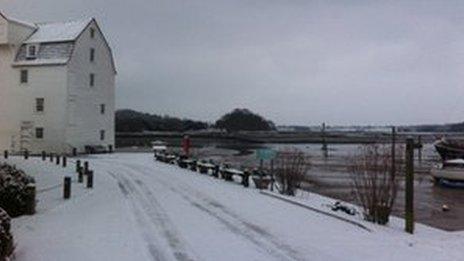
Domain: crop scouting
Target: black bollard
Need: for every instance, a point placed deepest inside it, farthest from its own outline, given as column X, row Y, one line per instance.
column 78, row 165
column 26, row 154
column 80, row 177
column 67, row 188
column 65, row 162
column 57, row 159
column 246, row 179
column 90, row 179
column 5, row 154
column 216, row 171
column 86, row 167
column 29, row 199
column 44, row 155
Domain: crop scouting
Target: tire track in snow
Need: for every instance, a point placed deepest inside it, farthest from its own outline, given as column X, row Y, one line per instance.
column 258, row 236
column 146, row 205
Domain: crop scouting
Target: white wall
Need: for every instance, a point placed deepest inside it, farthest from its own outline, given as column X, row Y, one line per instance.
column 6, row 118
column 12, row 35
column 3, row 30
column 50, row 83
column 17, row 33
column 84, row 118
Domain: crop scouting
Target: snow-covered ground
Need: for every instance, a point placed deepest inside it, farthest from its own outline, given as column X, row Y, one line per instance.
column 140, row 209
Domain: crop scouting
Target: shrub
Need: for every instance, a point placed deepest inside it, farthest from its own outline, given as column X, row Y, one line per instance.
column 291, row 166
column 375, row 181
column 6, row 238
column 17, row 191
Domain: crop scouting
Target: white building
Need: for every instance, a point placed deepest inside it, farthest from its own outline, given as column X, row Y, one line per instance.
column 57, row 86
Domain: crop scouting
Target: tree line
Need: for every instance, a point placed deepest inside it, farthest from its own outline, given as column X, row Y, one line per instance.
column 238, row 120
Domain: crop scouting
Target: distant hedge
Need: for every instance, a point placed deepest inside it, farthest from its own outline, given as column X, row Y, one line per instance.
column 134, row 121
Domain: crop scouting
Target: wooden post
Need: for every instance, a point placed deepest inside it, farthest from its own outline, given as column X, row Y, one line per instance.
column 78, row 165
column 419, row 148
column 80, row 177
column 57, row 159
column 44, row 155
column 324, row 142
column 67, row 188
column 409, row 186
column 393, row 153
column 272, row 175
column 261, row 163
column 5, row 154
column 65, row 161
column 26, row 154
column 90, row 179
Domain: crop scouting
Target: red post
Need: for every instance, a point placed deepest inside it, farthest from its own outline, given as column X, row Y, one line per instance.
column 186, row 143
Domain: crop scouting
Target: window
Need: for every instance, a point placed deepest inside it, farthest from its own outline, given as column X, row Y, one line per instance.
column 39, row 104
column 102, row 108
column 39, row 133
column 102, row 135
column 24, row 76
column 92, row 33
column 92, row 54
column 31, row 51
column 92, row 80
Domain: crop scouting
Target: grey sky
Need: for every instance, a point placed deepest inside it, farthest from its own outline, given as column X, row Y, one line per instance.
column 295, row 62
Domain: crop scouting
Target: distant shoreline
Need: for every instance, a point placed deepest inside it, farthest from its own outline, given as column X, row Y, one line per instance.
column 331, row 137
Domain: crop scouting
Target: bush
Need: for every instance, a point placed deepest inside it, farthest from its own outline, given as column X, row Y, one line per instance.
column 375, row 181
column 17, row 191
column 291, row 166
column 243, row 120
column 6, row 238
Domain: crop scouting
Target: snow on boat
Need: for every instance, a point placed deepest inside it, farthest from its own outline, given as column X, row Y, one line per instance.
column 449, row 170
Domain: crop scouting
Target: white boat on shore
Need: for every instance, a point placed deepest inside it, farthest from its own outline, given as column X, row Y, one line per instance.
column 159, row 146
column 449, row 170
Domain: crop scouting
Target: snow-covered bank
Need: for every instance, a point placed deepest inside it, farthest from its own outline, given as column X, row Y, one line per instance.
column 145, row 210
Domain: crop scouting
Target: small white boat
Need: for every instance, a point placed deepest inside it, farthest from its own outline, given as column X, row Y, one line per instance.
column 450, row 170
column 159, row 146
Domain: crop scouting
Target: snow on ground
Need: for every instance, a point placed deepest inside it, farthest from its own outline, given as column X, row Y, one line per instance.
column 140, row 209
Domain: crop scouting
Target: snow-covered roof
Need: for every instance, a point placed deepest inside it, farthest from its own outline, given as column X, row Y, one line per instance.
column 17, row 21
column 58, row 31
column 49, row 53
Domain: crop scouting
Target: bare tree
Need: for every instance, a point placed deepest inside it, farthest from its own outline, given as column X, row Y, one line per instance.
column 375, row 181
column 291, row 166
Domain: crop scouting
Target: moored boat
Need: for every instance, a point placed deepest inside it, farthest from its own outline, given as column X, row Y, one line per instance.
column 449, row 170
column 450, row 148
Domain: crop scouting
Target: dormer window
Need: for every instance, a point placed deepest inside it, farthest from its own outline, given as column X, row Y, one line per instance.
column 31, row 51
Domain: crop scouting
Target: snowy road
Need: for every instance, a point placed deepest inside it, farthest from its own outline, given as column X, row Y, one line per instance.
column 145, row 210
